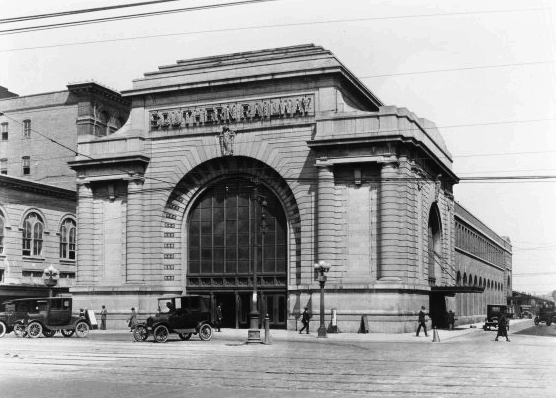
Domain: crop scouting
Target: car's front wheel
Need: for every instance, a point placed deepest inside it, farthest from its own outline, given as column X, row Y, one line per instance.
column 19, row 330
column 82, row 329
column 185, row 336
column 67, row 332
column 34, row 330
column 140, row 333
column 537, row 321
column 3, row 329
column 48, row 332
column 161, row 334
column 205, row 333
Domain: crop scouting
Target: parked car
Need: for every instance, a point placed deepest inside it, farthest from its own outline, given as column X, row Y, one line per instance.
column 184, row 315
column 493, row 315
column 35, row 316
column 526, row 314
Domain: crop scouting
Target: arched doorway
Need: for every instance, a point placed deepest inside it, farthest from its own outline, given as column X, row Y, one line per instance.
column 223, row 232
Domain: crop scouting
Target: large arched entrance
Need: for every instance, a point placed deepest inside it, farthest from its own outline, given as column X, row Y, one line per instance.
column 437, row 300
column 223, row 230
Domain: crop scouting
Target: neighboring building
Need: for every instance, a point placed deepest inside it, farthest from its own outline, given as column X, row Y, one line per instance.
column 173, row 202
column 483, row 263
column 527, row 302
column 37, row 197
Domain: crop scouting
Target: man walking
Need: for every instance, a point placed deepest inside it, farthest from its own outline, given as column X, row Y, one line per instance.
column 451, row 320
column 422, row 322
column 218, row 316
column 305, row 321
column 103, row 313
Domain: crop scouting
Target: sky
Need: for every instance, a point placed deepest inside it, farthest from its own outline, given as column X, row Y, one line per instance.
column 483, row 71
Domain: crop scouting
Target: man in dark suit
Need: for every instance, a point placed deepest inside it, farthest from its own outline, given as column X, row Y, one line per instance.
column 502, row 326
column 305, row 321
column 218, row 316
column 422, row 321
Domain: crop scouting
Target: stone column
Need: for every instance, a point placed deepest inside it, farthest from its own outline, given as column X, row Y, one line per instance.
column 85, row 235
column 326, row 217
column 134, row 233
column 390, row 267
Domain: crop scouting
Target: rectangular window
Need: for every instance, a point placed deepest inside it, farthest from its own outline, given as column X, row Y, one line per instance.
column 26, row 160
column 4, row 166
column 4, row 131
column 1, row 275
column 26, row 129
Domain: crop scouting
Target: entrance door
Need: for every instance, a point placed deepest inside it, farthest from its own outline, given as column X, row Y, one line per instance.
column 275, row 307
column 437, row 312
column 229, row 308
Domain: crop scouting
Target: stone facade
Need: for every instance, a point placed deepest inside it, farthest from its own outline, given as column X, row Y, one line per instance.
column 283, row 150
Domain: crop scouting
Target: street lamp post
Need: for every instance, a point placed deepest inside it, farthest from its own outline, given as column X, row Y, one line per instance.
column 254, row 334
column 322, row 268
column 51, row 276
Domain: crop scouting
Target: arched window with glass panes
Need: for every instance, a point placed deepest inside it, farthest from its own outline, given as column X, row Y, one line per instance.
column 33, row 229
column 67, row 239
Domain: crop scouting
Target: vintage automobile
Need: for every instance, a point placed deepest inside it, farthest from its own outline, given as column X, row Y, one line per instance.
column 546, row 315
column 493, row 314
column 35, row 316
column 184, row 315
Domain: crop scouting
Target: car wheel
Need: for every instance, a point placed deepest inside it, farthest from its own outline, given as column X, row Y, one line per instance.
column 185, row 336
column 82, row 329
column 34, row 330
column 19, row 330
column 67, row 332
column 140, row 333
column 48, row 332
column 2, row 329
column 161, row 334
column 536, row 321
column 548, row 323
column 205, row 333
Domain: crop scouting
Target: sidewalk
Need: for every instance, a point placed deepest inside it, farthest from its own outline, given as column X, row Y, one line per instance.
column 291, row 335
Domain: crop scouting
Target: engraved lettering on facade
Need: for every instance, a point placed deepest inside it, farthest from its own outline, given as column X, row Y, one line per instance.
column 233, row 112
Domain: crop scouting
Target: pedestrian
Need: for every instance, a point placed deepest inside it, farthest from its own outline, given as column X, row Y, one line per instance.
column 218, row 316
column 451, row 320
column 502, row 326
column 103, row 313
column 132, row 321
column 305, row 321
column 422, row 323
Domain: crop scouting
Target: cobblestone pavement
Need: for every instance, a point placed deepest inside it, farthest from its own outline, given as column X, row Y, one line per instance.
column 466, row 362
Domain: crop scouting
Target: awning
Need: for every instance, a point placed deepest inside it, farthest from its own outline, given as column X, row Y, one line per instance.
column 452, row 290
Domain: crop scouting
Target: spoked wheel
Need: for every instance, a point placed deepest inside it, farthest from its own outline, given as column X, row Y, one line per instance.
column 48, row 332
column 34, row 330
column 161, row 334
column 19, row 330
column 82, row 329
column 205, row 333
column 140, row 333
column 185, row 336
column 67, row 332
column 2, row 329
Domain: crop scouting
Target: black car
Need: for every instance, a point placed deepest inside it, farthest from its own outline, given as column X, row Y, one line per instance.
column 184, row 315
column 493, row 315
column 45, row 316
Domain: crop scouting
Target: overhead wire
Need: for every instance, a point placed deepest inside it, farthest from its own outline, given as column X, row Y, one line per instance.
column 129, row 16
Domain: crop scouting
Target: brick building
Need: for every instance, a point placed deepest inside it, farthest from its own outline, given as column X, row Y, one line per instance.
column 288, row 139
column 37, row 188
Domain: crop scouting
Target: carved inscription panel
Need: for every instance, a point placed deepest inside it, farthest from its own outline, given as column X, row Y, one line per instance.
column 233, row 112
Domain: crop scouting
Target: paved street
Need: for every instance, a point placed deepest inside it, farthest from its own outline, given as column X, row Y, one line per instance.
column 467, row 362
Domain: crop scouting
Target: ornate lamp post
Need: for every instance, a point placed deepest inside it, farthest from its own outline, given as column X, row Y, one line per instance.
column 322, row 268
column 51, row 276
column 254, row 334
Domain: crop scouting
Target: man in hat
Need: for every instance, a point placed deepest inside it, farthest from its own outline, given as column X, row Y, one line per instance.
column 305, row 321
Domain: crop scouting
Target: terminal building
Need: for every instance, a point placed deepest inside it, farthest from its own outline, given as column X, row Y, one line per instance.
column 247, row 169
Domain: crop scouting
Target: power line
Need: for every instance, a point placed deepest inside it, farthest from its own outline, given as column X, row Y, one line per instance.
column 129, row 16
column 294, row 24
column 83, row 11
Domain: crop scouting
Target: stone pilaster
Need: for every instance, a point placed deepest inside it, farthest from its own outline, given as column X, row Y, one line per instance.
column 326, row 217
column 85, row 232
column 135, row 244
column 389, row 234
